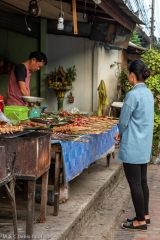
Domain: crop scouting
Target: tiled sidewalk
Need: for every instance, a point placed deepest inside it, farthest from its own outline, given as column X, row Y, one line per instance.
column 153, row 231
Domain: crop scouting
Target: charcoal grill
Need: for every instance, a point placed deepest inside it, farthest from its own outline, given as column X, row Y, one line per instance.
column 33, row 155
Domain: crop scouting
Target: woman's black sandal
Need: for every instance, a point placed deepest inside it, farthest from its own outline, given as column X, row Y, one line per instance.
column 135, row 218
column 130, row 226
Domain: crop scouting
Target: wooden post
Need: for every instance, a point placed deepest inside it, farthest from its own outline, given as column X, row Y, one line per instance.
column 57, row 183
column 74, row 17
column 44, row 196
column 30, row 208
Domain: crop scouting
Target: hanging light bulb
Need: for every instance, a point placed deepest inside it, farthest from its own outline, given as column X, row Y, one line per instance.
column 33, row 8
column 60, row 25
column 84, row 14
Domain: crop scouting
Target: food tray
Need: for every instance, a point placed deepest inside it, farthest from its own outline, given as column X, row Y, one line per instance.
column 36, row 128
column 31, row 99
column 15, row 134
column 39, row 120
column 62, row 123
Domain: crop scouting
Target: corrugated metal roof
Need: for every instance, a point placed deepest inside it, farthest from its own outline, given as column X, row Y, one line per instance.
column 136, row 47
column 125, row 9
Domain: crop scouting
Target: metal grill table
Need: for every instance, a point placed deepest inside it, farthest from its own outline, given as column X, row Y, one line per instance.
column 32, row 161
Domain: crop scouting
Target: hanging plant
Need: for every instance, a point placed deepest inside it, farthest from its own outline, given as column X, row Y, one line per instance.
column 123, row 86
column 71, row 73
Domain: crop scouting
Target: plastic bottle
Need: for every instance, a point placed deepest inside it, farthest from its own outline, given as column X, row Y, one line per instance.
column 156, row 161
column 1, row 102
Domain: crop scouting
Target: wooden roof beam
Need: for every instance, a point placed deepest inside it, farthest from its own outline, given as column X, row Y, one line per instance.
column 114, row 11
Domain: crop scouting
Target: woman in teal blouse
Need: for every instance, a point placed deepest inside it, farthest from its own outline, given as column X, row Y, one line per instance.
column 135, row 135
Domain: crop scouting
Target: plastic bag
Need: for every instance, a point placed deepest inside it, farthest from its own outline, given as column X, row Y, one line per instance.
column 4, row 118
column 73, row 110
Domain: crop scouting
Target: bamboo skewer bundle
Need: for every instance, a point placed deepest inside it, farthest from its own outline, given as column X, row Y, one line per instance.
column 96, row 125
column 67, row 137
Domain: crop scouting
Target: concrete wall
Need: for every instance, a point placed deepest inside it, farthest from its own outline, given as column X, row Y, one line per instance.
column 68, row 51
column 102, row 71
column 92, row 63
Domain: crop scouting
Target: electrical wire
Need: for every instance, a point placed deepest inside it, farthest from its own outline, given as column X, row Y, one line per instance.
column 28, row 28
column 61, row 5
column 140, row 7
column 80, row 19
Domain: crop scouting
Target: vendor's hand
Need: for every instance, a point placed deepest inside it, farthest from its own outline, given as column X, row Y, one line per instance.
column 117, row 137
column 31, row 104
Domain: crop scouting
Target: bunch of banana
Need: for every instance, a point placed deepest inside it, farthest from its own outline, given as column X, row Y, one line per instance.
column 56, row 84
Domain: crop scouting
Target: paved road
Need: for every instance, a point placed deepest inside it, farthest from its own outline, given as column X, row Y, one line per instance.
column 104, row 220
column 153, row 231
column 105, row 224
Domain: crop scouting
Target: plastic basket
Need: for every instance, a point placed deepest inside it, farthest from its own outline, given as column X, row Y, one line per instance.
column 16, row 113
column 35, row 112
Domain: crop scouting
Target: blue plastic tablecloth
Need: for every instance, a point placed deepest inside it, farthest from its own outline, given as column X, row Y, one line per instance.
column 78, row 155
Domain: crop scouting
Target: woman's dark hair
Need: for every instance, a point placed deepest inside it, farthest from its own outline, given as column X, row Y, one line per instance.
column 139, row 68
column 39, row 56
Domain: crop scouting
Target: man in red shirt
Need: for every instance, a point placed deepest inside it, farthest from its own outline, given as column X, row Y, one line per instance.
column 19, row 82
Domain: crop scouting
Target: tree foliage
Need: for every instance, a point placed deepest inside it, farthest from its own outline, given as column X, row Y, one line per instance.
column 135, row 39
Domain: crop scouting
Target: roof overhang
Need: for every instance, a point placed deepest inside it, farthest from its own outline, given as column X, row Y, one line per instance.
column 134, row 46
column 107, row 21
column 134, row 52
column 118, row 10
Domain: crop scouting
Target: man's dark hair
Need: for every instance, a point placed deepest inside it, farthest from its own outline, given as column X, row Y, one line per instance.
column 39, row 56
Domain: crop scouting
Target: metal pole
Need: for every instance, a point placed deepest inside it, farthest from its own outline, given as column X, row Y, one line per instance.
column 152, row 24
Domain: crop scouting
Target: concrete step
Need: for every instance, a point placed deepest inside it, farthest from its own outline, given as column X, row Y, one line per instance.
column 103, row 222
column 92, row 193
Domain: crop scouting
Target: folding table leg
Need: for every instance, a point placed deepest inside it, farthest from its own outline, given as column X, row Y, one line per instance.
column 11, row 194
column 108, row 159
column 57, row 183
column 30, row 209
